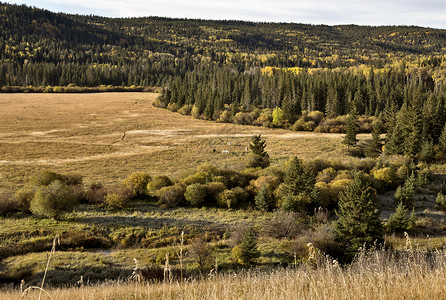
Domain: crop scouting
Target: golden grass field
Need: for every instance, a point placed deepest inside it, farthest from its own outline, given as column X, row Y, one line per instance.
column 106, row 136
column 378, row 275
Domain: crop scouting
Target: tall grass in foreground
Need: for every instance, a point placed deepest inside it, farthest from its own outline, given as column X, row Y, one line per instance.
column 374, row 275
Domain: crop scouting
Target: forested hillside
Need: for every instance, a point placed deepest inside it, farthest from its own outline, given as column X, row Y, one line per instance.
column 41, row 48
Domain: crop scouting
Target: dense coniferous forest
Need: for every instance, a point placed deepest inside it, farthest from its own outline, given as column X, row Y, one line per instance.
column 297, row 76
column 40, row 48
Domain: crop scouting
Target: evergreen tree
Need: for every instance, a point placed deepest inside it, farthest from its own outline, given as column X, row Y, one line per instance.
column 264, row 199
column 427, row 151
column 249, row 251
column 258, row 145
column 298, row 188
column 259, row 157
column 373, row 148
column 399, row 221
column 442, row 140
column 395, row 141
column 405, row 193
column 351, row 128
column 358, row 223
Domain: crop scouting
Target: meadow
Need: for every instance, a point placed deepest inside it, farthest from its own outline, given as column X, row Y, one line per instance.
column 106, row 136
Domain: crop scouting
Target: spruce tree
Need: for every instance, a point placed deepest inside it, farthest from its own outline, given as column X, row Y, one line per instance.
column 264, row 199
column 351, row 128
column 373, row 148
column 258, row 145
column 405, row 193
column 399, row 221
column 259, row 156
column 358, row 223
column 442, row 140
column 298, row 187
column 249, row 251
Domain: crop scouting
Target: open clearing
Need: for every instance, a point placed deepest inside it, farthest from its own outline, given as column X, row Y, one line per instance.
column 106, row 136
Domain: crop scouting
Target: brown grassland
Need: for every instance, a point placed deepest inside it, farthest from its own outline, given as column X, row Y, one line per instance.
column 378, row 275
column 106, row 136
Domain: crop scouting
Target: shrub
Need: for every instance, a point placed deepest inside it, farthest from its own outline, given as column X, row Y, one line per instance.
column 195, row 194
column 270, row 180
column 315, row 116
column 322, row 238
column 441, row 201
column 298, row 125
column 326, row 175
column 225, row 117
column 157, row 183
column 284, row 225
column 195, row 112
column 227, row 199
column 118, row 196
column 173, row 107
column 95, row 194
column 343, row 174
column 386, row 177
column 79, row 193
column 7, row 205
column 44, row 178
column 23, row 197
column 265, row 119
column 309, row 126
column 171, row 195
column 243, row 118
column 137, row 182
column 185, row 110
column 201, row 252
column 53, row 200
column 72, row 179
column 198, row 177
column 213, row 189
column 241, row 194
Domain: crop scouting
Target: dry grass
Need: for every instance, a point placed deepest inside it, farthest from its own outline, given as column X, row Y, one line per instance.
column 109, row 135
column 377, row 275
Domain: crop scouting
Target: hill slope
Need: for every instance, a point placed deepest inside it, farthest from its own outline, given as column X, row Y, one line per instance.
column 39, row 47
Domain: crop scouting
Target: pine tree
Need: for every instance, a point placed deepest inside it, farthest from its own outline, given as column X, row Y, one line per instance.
column 351, row 131
column 405, row 193
column 427, row 151
column 264, row 199
column 249, row 251
column 442, row 140
column 373, row 148
column 298, row 188
column 358, row 223
column 258, row 145
column 399, row 221
column 259, row 157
